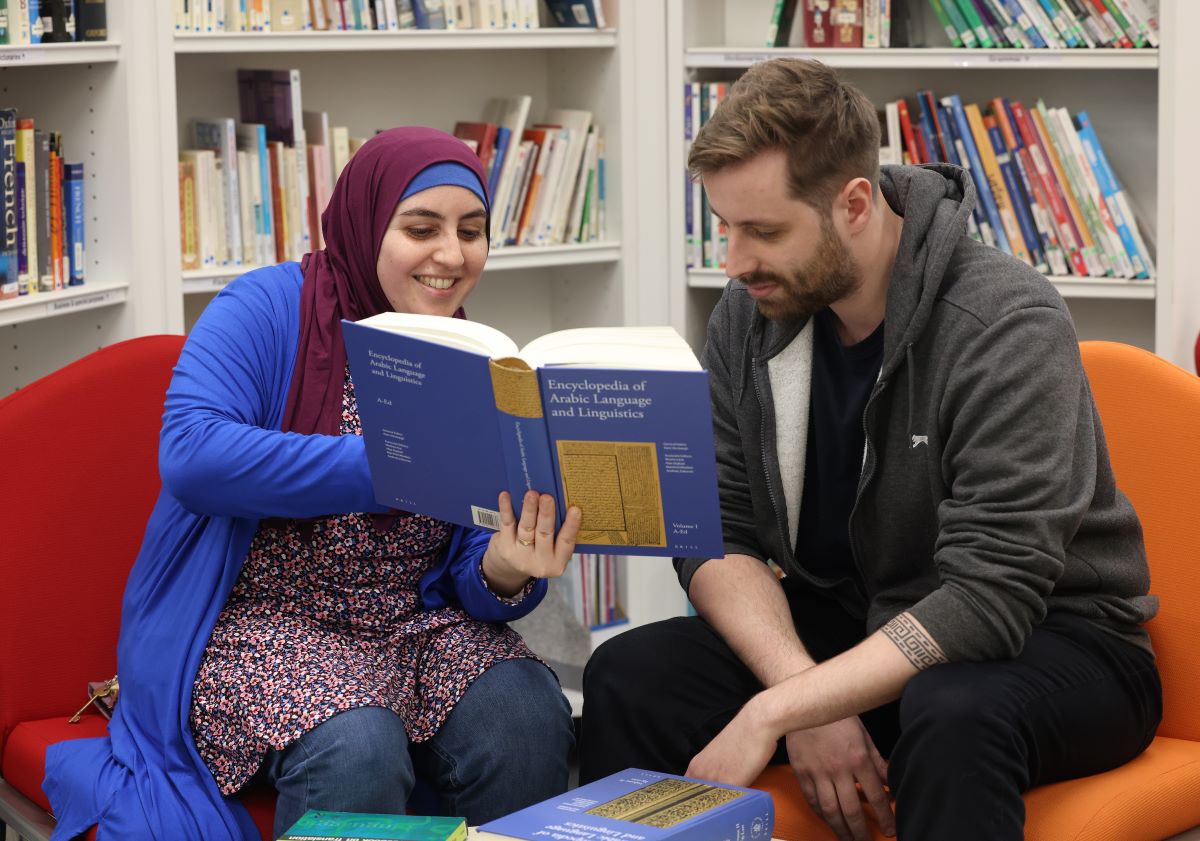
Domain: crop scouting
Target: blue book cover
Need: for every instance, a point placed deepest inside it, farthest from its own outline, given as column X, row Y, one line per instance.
column 615, row 421
column 573, row 13
column 636, row 805
column 1114, row 196
column 983, row 190
column 1020, row 200
column 317, row 825
column 73, row 196
column 503, row 134
column 429, row 14
column 22, row 228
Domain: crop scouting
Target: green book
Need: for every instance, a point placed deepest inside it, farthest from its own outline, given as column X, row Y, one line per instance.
column 359, row 826
column 975, row 22
column 943, row 20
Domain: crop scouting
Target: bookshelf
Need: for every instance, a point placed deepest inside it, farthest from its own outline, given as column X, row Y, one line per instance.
column 372, row 80
column 102, row 97
column 1134, row 97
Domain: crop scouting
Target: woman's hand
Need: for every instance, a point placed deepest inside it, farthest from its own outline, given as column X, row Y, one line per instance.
column 528, row 548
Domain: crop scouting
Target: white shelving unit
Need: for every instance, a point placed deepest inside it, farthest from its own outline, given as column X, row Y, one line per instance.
column 102, row 96
column 1134, row 97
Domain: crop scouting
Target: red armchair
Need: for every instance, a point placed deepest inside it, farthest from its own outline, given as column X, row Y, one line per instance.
column 80, row 479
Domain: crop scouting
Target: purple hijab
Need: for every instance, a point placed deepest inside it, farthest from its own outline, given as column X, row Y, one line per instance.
column 340, row 280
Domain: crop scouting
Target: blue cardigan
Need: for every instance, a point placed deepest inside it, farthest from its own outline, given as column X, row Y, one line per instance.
column 224, row 465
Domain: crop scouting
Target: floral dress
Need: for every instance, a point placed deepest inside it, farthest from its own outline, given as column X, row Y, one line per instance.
column 323, row 622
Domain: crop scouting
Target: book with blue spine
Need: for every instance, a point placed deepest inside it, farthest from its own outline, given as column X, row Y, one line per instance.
column 977, row 172
column 1114, row 195
column 1017, row 197
column 73, row 196
column 636, row 805
column 317, row 825
column 616, row 421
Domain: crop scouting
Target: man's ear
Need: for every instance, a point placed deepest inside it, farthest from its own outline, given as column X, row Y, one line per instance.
column 856, row 201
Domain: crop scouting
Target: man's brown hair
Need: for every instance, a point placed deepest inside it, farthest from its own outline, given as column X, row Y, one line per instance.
column 827, row 127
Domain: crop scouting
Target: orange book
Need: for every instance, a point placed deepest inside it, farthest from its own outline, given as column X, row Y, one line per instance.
column 991, row 168
column 542, row 138
column 56, row 212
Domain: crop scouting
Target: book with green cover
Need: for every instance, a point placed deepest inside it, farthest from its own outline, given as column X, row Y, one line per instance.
column 358, row 826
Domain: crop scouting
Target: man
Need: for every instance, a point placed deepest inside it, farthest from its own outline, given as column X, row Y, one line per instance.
column 904, row 428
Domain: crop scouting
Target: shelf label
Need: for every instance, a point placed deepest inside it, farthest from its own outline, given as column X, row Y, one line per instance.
column 1005, row 59
column 16, row 57
column 97, row 299
column 220, row 282
column 741, row 58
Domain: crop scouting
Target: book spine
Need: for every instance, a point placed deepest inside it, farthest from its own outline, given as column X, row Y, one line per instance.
column 1068, row 235
column 1039, row 209
column 939, row 11
column 1110, row 191
column 524, row 438
column 23, row 287
column 8, row 206
column 26, row 160
column 56, row 211
column 977, row 172
column 1026, row 230
column 75, row 222
column 1088, row 247
column 45, row 265
column 92, row 20
column 975, row 23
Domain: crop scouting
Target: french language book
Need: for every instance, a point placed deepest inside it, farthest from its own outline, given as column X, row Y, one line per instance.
column 636, row 805
column 616, row 421
column 359, row 826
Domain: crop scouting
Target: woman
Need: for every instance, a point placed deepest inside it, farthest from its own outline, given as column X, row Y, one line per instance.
column 278, row 624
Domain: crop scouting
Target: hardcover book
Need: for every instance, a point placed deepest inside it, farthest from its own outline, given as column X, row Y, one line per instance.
column 615, row 421
column 359, row 826
column 646, row 806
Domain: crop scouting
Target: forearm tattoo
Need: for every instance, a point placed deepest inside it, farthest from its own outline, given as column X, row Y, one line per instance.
column 920, row 649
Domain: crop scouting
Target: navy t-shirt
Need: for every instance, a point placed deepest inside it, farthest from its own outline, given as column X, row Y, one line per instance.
column 842, row 379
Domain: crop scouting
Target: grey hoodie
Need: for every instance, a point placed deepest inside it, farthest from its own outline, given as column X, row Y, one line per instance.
column 986, row 497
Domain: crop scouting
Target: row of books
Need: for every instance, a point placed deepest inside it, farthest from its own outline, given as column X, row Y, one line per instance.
column 592, row 585
column 1026, row 24
column 41, row 211
column 52, row 21
column 1047, row 193
column 1055, row 24
column 220, row 16
column 546, row 181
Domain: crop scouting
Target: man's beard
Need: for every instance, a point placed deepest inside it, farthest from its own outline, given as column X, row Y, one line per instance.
column 830, row 275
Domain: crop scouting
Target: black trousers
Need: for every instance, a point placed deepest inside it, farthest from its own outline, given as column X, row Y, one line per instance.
column 963, row 741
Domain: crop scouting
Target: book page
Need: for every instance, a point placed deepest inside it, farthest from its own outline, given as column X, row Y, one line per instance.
column 451, row 332
column 616, row 486
column 653, row 348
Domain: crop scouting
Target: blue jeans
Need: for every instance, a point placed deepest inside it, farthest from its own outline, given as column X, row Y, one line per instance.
column 504, row 746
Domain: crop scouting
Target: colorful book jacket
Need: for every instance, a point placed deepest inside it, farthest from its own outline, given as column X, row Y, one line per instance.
column 359, row 826
column 448, row 428
column 8, row 203
column 643, row 806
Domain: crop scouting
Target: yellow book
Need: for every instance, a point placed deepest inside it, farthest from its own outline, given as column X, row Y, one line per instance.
column 30, row 280
column 1008, row 216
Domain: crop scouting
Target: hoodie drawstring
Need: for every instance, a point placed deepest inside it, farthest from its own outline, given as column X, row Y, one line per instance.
column 909, row 361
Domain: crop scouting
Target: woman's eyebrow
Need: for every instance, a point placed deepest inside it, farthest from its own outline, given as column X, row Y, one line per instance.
column 433, row 214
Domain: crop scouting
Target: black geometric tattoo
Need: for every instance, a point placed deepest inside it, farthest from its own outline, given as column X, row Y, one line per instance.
column 920, row 649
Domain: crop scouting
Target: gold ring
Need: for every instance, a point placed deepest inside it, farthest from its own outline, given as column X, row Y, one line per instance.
column 524, row 542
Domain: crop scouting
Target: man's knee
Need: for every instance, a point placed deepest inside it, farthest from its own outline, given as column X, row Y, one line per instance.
column 641, row 657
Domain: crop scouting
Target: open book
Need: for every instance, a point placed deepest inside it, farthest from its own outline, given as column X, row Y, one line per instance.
column 616, row 421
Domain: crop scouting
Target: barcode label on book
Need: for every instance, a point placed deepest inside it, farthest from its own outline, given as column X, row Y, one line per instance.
column 485, row 517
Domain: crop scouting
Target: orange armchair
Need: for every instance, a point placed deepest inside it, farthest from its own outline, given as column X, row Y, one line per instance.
column 1151, row 414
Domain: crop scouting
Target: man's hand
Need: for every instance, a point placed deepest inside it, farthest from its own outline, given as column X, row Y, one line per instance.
column 738, row 754
column 828, row 761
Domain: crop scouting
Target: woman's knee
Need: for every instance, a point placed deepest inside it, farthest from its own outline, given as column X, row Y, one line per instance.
column 525, row 708
column 365, row 743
